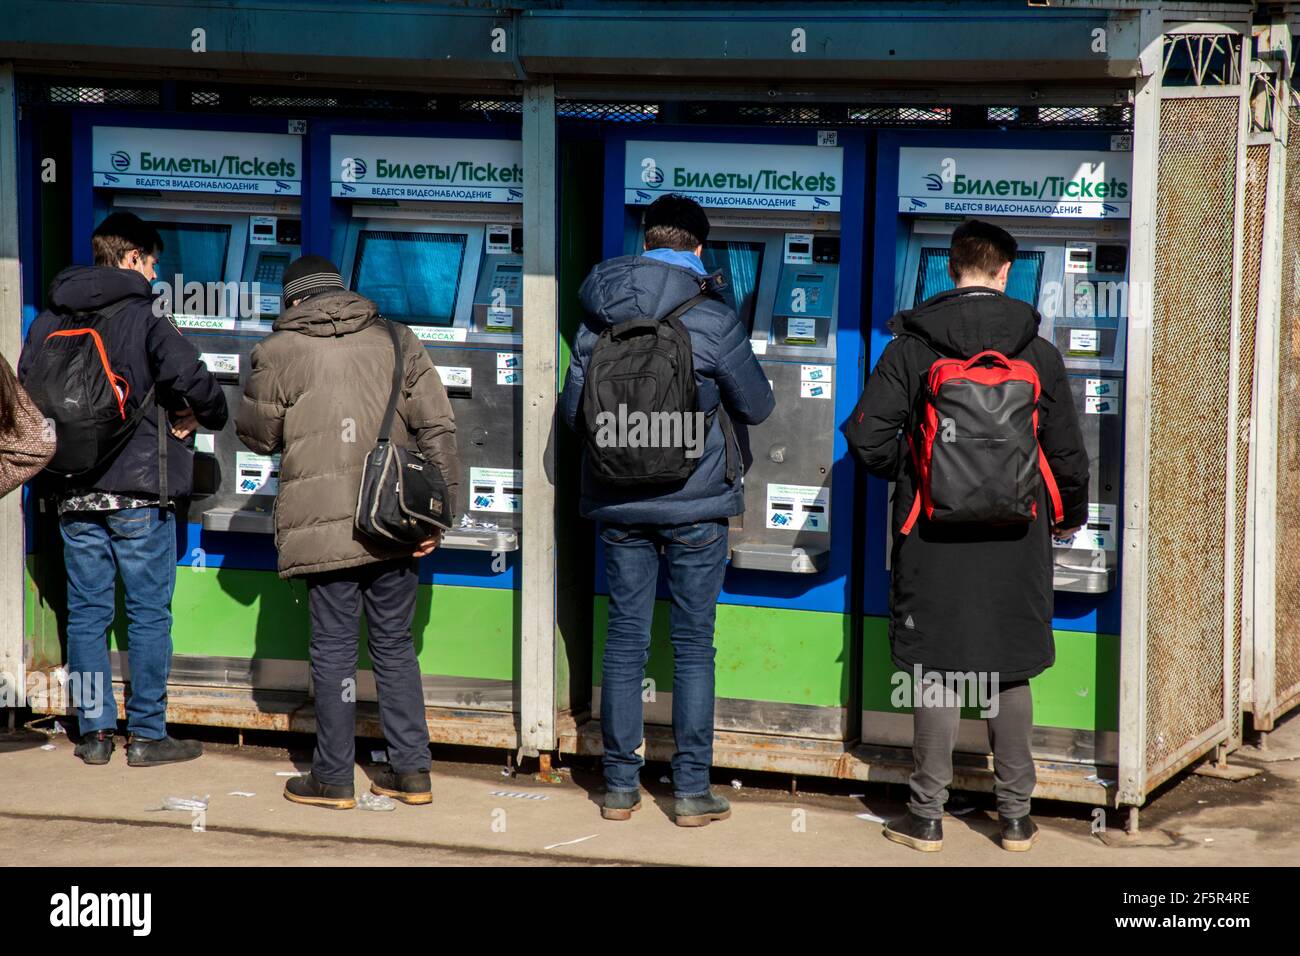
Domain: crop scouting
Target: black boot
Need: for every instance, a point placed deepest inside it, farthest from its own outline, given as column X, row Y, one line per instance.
column 619, row 804
column 413, row 788
column 96, row 747
column 916, row 832
column 1018, row 835
column 312, row 792
column 700, row 811
column 142, row 752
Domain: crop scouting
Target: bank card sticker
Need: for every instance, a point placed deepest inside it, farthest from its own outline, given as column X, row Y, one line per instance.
column 509, row 360
column 801, row 329
column 815, row 373
column 437, row 333
column 500, row 317
column 759, row 346
column 1100, row 388
column 510, row 376
column 798, row 508
column 205, row 442
column 257, row 474
column 455, row 376
column 1085, row 342
column 1100, row 405
column 496, row 489
column 814, row 389
column 220, row 363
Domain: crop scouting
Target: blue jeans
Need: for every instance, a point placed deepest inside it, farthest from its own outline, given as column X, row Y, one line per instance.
column 696, row 555
column 140, row 546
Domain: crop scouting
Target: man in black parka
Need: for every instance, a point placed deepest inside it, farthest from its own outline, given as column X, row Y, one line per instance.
column 970, row 599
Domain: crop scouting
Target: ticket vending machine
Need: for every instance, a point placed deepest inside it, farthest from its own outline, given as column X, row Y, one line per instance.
column 1068, row 210
column 429, row 228
column 227, row 206
column 786, row 235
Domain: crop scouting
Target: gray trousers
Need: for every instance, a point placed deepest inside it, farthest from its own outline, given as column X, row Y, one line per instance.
column 935, row 734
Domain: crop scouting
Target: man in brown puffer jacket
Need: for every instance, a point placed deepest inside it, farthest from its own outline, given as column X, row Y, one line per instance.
column 316, row 393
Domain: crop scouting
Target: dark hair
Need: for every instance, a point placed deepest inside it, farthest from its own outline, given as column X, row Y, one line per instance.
column 120, row 233
column 675, row 222
column 980, row 247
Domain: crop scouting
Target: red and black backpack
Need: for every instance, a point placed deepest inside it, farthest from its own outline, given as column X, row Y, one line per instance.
column 74, row 385
column 975, row 445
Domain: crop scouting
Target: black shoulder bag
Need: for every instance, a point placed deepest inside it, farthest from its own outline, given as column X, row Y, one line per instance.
column 403, row 496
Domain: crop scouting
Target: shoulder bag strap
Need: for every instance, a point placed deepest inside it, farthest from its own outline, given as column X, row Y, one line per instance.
column 387, row 425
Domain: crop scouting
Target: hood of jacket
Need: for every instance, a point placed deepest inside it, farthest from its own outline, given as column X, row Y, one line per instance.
column 86, row 288
column 964, row 322
column 638, row 287
column 327, row 314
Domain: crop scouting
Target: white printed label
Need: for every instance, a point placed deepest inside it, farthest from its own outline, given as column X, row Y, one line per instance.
column 500, row 317
column 1101, row 387
column 455, row 376
column 498, row 240
column 496, row 489
column 434, row 333
column 759, row 346
column 1099, row 405
column 261, row 230
column 509, row 376
column 798, row 508
column 202, row 322
column 1097, row 535
column 257, row 474
column 220, row 363
column 814, row 389
column 828, row 137
column 509, row 360
column 1085, row 341
column 205, row 442
column 815, row 373
column 801, row 329
column 798, row 248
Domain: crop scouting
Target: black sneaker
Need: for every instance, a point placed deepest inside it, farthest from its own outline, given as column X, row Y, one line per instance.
column 413, row 788
column 1018, row 835
column 142, row 752
column 309, row 790
column 916, row 832
column 619, row 804
column 96, row 747
column 700, row 811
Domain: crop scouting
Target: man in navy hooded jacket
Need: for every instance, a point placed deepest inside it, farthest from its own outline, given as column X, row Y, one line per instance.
column 687, row 524
column 112, row 521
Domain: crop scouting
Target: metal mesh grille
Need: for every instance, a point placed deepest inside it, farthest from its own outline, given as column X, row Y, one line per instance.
column 1256, row 188
column 1188, row 439
column 1287, row 593
column 608, row 112
column 102, row 96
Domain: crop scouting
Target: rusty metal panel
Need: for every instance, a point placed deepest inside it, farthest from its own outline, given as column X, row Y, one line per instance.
column 1287, row 581
column 1189, row 435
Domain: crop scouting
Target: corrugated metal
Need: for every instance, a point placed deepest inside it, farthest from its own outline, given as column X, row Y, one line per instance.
column 1189, row 427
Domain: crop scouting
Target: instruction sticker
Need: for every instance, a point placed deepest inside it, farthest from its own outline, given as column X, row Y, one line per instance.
column 801, row 329
column 1100, row 387
column 798, row 508
column 1085, row 342
column 257, row 474
column 455, row 376
column 815, row 373
column 509, row 376
column 508, row 360
column 496, row 489
column 220, row 363
column 435, row 333
column 814, row 389
column 500, row 317
column 1097, row 535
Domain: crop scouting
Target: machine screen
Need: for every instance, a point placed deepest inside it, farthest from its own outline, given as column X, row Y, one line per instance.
column 740, row 264
column 932, row 277
column 412, row 276
column 196, row 251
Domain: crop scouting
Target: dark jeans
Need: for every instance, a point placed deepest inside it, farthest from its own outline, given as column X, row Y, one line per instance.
column 387, row 590
column 139, row 545
column 935, row 734
column 696, row 555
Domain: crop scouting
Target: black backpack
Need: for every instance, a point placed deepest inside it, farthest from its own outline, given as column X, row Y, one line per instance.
column 75, row 387
column 644, row 368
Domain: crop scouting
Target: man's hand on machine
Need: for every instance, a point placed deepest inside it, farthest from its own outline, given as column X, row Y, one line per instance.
column 183, row 423
column 427, row 546
column 1065, row 534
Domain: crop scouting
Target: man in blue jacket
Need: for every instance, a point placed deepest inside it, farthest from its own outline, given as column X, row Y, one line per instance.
column 112, row 520
column 686, row 523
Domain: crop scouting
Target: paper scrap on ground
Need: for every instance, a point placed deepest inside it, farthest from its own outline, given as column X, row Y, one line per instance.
column 292, row 773
column 568, row 842
column 869, row 817
column 185, row 803
column 519, row 796
column 48, row 747
column 240, row 793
